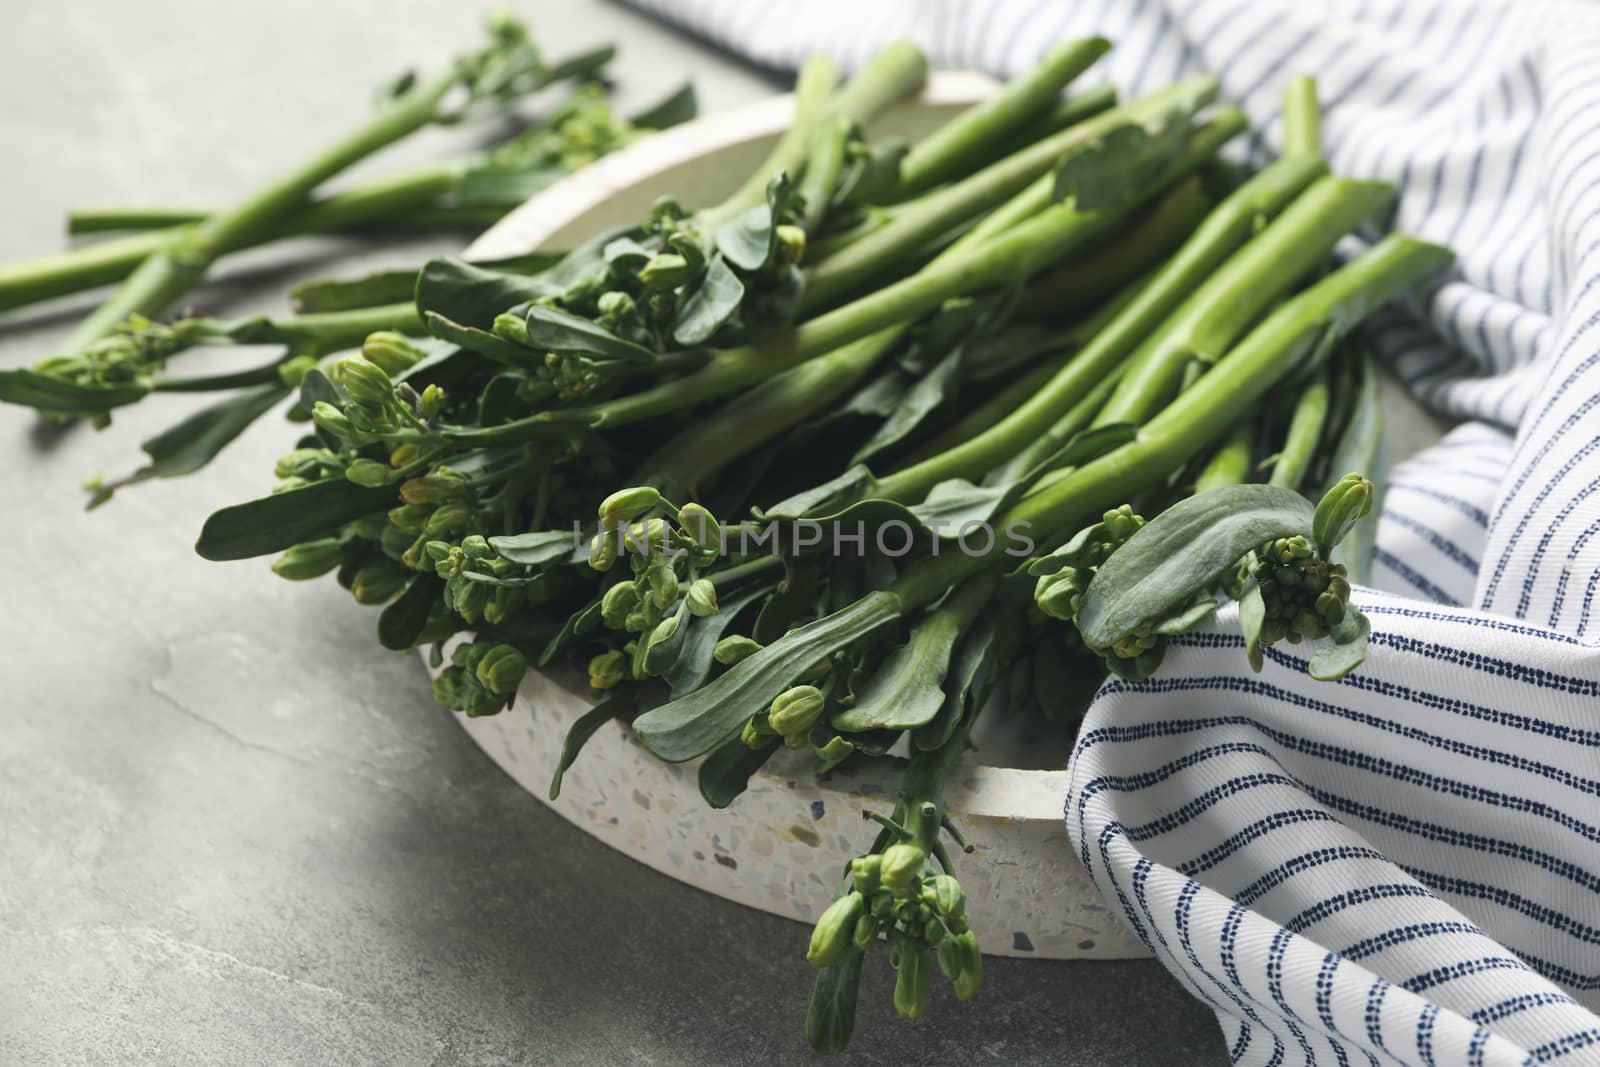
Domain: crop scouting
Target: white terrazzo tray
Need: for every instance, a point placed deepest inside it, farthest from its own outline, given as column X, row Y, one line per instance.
column 781, row 844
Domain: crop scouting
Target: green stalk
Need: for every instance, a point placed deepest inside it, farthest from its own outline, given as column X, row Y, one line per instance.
column 337, row 212
column 1077, row 287
column 894, row 73
column 1014, row 395
column 876, row 254
column 1300, row 327
column 1077, row 419
column 1230, row 464
column 170, row 271
column 1006, row 259
column 1305, row 431
column 405, row 200
column 1302, row 118
column 1068, row 112
column 822, row 171
column 688, row 460
column 1229, row 226
column 1220, row 311
column 812, row 88
column 959, row 144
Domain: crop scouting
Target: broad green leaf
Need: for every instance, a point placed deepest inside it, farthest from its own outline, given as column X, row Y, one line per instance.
column 46, row 393
column 839, row 492
column 710, row 305
column 486, row 344
column 1252, row 615
column 1117, row 166
column 561, row 331
column 582, row 729
column 926, row 394
column 282, row 520
column 678, row 107
column 472, row 296
column 1178, row 555
column 794, row 599
column 747, row 240
column 873, row 174
column 578, row 623
column 539, row 548
column 831, row 1016
column 1363, row 446
column 1005, row 352
column 979, row 659
column 907, row 689
column 403, row 618
column 726, row 772
column 1186, row 619
column 694, row 724
column 693, row 665
column 196, row 441
column 1347, row 650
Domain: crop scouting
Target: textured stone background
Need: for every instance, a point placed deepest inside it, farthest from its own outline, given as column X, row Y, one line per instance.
column 233, row 830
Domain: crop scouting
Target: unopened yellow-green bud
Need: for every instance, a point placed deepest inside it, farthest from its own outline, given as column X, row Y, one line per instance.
column 475, row 546
column 293, row 371
column 832, row 939
column 949, row 900
column 448, row 520
column 796, row 710
column 607, row 669
column 702, row 598
column 665, row 271
column 513, row 328
column 404, row 455
column 1339, row 510
column 663, row 584
column 411, row 518
column 432, row 401
column 432, row 489
column 602, row 551
column 864, row 872
column 733, row 649
column 368, row 472
column 364, row 381
column 866, row 932
column 902, row 866
column 617, row 603
column 700, row 526
column 390, row 352
column 300, row 462
column 625, row 505
column 309, row 560
column 331, row 420
column 378, row 583
column 911, row 981
column 501, row 669
column 789, row 244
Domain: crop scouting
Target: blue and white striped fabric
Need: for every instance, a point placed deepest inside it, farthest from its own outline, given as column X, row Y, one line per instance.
column 1403, row 867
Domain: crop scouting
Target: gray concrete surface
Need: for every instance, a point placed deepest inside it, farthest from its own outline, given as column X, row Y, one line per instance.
column 234, row 831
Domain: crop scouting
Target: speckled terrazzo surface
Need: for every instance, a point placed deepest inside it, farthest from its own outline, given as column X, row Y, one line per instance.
column 234, row 830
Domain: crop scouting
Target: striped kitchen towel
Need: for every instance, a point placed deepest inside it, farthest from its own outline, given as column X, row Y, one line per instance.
column 1403, row 867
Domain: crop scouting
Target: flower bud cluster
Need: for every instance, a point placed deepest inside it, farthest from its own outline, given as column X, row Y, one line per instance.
column 1060, row 594
column 896, row 896
column 482, row 678
column 1304, row 595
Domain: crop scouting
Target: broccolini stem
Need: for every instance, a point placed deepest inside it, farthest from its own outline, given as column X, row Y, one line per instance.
column 959, row 144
